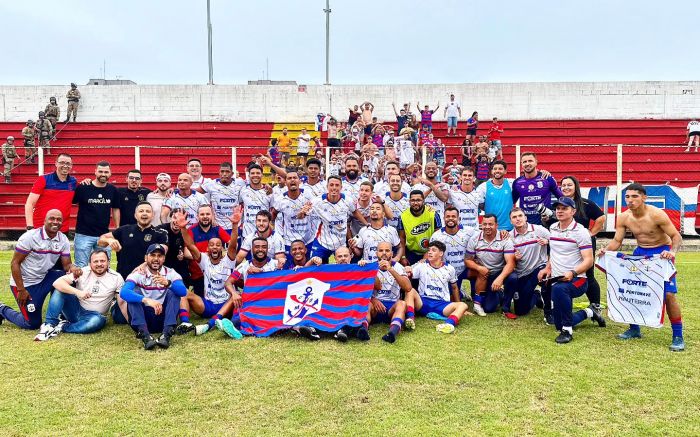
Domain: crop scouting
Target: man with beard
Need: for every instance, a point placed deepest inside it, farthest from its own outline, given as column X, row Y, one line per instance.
column 201, row 233
column 275, row 243
column 31, row 270
column 288, row 205
column 437, row 290
column 298, row 258
column 466, row 198
column 157, row 197
column 186, row 198
column 131, row 196
column 534, row 190
column 497, row 196
column 391, row 283
column 315, row 187
column 175, row 258
column 152, row 296
column 491, row 260
column 97, row 202
column 216, row 302
column 418, row 224
column 366, row 242
column 396, row 199
column 352, row 180
column 223, row 194
column 254, row 199
column 383, row 187
column 455, row 237
column 435, row 193
column 333, row 210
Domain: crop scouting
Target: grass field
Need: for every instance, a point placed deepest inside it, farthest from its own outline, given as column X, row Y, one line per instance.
column 493, row 376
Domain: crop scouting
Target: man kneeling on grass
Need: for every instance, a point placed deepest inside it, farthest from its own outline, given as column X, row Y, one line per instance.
column 437, row 290
column 153, row 298
column 83, row 301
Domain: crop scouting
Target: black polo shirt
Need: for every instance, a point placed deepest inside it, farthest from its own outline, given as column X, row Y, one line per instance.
column 127, row 203
column 135, row 241
column 176, row 245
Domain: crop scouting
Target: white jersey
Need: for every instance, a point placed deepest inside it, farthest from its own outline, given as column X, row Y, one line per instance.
column 223, row 199
column 397, row 207
column 368, row 238
column 432, row 200
column 533, row 254
column 292, row 228
column 315, row 191
column 199, row 182
column 156, row 200
column 103, row 288
column 456, row 246
column 215, row 276
column 694, row 126
column 390, row 291
column 241, row 271
column 253, row 202
column 355, row 224
column 382, row 188
column 189, row 204
column 352, row 189
column 303, row 143
column 334, row 220
column 467, row 204
column 275, row 243
column 636, row 287
column 405, row 152
column 145, row 286
column 434, row 283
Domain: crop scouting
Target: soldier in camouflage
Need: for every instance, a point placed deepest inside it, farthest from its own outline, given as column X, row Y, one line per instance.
column 73, row 97
column 9, row 153
column 45, row 142
column 29, row 132
column 44, row 125
column 53, row 112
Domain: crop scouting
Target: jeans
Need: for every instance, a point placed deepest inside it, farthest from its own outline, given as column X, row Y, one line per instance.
column 563, row 294
column 84, row 245
column 29, row 315
column 80, row 320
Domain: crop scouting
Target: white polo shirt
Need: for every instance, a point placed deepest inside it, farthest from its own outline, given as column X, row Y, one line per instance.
column 190, row 204
column 42, row 254
column 223, row 199
column 253, row 202
column 565, row 246
column 527, row 243
column 103, row 288
column 334, row 220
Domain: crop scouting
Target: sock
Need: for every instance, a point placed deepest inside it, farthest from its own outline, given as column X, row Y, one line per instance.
column 568, row 329
column 410, row 313
column 452, row 320
column 636, row 327
column 213, row 320
column 477, row 299
column 395, row 327
column 589, row 312
column 677, row 327
column 184, row 316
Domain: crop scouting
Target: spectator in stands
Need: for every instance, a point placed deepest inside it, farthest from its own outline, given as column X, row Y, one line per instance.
column 9, row 154
column 273, row 152
column 333, row 139
column 426, row 116
column 482, row 147
column 157, row 197
column 467, row 150
column 131, row 196
column 32, row 271
column 29, row 132
column 97, row 202
column 401, row 118
column 194, row 168
column 590, row 216
column 481, row 168
column 284, row 142
column 303, row 146
column 472, row 125
column 366, row 116
column 354, row 115
column 52, row 190
column 452, row 111
column 185, row 198
column 53, row 112
column 495, row 132
column 73, row 97
column 693, row 134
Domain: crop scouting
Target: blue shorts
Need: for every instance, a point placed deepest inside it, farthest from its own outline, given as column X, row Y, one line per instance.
column 384, row 317
column 432, row 306
column 471, row 132
column 320, row 251
column 669, row 286
column 210, row 308
column 451, row 121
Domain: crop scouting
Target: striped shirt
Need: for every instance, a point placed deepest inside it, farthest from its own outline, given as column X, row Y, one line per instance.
column 533, row 254
column 490, row 254
column 53, row 193
column 42, row 254
column 145, row 286
column 565, row 246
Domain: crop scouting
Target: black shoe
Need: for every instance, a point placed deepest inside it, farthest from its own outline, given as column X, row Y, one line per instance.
column 2, row 319
column 597, row 315
column 308, row 332
column 548, row 319
column 341, row 336
column 389, row 337
column 164, row 341
column 148, row 341
column 564, row 337
column 184, row 328
column 362, row 334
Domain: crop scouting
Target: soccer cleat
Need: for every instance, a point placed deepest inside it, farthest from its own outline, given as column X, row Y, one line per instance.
column 184, row 328
column 164, row 339
column 509, row 315
column 46, row 331
column 362, row 334
column 479, row 311
column 341, row 336
column 445, row 328
column 435, row 316
column 597, row 315
column 148, row 341
column 226, row 325
column 410, row 324
column 678, row 345
column 564, row 337
column 201, row 329
column 389, row 337
column 309, row 332
column 548, row 319
column 59, row 328
column 629, row 334
column 2, row 307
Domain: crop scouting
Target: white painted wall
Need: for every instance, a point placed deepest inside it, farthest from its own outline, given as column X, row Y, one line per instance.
column 579, row 100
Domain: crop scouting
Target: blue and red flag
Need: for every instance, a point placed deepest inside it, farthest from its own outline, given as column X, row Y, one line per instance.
column 326, row 297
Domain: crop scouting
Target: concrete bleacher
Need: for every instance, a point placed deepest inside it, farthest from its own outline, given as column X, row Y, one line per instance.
column 166, row 146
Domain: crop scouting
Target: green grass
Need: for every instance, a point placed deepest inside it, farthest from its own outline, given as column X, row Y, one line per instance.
column 493, row 376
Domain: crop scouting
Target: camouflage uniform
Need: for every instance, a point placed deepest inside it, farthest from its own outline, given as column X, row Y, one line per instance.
column 28, row 132
column 45, row 142
column 53, row 112
column 9, row 153
column 73, row 97
column 44, row 125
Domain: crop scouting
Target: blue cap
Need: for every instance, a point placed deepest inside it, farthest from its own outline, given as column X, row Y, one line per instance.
column 566, row 201
column 155, row 247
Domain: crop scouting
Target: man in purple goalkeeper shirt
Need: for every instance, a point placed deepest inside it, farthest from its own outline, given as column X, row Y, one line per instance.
column 534, row 189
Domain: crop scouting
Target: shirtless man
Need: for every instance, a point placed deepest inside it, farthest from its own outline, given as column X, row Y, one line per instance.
column 655, row 234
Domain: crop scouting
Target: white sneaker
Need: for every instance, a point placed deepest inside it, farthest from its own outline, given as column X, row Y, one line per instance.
column 478, row 310
column 59, row 327
column 445, row 328
column 46, row 331
column 201, row 329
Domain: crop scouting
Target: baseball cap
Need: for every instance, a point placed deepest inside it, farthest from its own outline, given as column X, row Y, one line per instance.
column 10, row 138
column 155, row 247
column 566, row 201
column 163, row 175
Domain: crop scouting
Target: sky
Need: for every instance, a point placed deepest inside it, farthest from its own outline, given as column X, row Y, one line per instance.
column 371, row 42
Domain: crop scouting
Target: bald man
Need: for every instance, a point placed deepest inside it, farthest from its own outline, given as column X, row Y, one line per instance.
column 32, row 275
column 185, row 198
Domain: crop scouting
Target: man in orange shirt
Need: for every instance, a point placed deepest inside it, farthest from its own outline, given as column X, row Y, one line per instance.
column 284, row 143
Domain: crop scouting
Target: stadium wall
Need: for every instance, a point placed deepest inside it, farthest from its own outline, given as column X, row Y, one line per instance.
column 514, row 101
